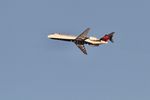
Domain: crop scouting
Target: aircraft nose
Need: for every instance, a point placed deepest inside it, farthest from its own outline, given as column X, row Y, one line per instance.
column 50, row 36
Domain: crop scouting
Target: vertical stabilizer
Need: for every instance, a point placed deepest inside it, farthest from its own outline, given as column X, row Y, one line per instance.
column 108, row 37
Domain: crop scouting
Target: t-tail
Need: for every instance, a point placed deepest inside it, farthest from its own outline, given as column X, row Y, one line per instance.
column 108, row 37
column 111, row 36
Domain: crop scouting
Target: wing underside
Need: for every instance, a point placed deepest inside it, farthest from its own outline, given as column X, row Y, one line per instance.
column 82, row 48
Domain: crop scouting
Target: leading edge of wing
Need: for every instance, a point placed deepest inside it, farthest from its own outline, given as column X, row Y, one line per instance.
column 82, row 48
column 83, row 35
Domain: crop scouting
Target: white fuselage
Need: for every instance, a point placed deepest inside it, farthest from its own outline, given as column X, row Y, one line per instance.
column 90, row 40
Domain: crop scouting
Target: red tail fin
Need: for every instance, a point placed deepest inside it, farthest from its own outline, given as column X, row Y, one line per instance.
column 108, row 37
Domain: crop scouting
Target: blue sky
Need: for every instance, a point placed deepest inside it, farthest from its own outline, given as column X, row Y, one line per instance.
column 32, row 67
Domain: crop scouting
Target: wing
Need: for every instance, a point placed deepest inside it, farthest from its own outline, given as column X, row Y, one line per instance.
column 82, row 48
column 83, row 35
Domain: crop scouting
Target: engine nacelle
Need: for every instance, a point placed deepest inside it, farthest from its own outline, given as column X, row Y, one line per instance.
column 93, row 38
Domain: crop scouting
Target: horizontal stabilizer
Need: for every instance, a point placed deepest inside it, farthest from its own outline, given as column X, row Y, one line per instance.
column 111, row 36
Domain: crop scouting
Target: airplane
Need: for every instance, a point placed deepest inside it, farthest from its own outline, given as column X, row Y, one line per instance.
column 82, row 39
